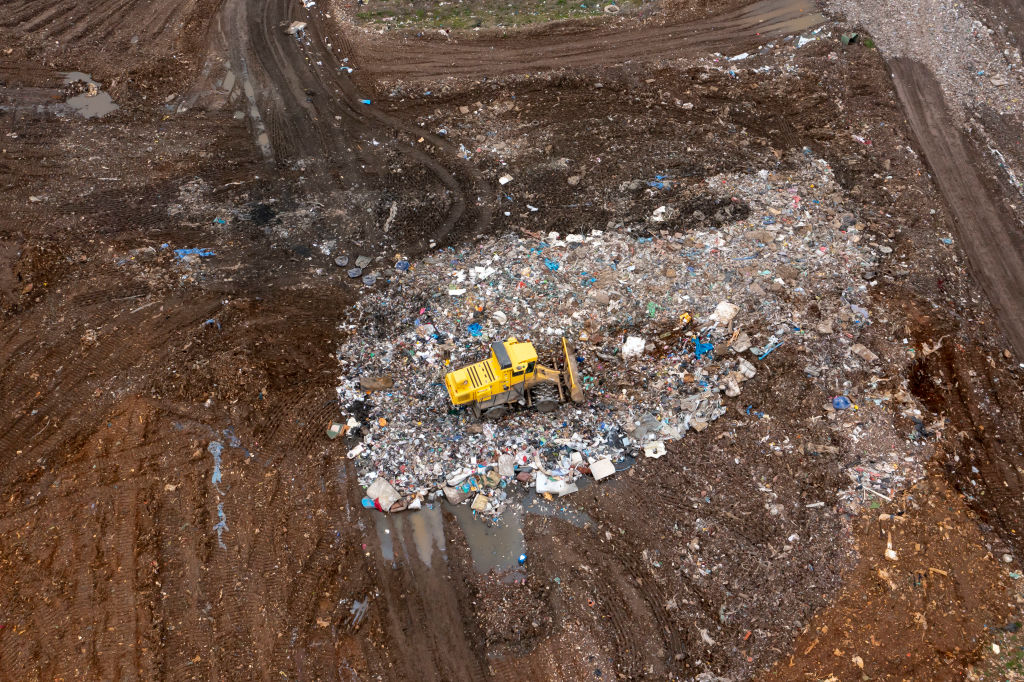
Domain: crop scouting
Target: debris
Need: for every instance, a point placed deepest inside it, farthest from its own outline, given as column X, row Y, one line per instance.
column 927, row 350
column 601, row 469
column 383, row 494
column 724, row 313
column 295, row 28
column 654, row 449
column 740, row 343
column 183, row 254
column 841, row 402
column 633, row 347
column 890, row 553
column 861, row 351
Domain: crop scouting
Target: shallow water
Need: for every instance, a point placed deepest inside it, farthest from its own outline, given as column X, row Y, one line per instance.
column 89, row 106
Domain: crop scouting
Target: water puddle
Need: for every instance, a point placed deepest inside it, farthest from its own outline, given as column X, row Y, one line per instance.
column 93, row 103
column 494, row 546
column 427, row 533
column 385, row 535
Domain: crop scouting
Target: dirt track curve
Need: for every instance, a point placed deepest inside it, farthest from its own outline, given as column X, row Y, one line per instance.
column 304, row 106
column 988, row 233
column 730, row 33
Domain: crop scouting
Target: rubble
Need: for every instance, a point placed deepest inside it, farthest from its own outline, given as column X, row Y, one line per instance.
column 668, row 327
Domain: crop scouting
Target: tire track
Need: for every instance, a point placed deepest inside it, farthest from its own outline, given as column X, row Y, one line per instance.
column 734, row 32
column 988, row 234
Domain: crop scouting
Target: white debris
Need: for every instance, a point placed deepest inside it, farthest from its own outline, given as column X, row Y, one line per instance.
column 602, row 468
column 383, row 493
column 654, row 449
column 633, row 347
column 724, row 313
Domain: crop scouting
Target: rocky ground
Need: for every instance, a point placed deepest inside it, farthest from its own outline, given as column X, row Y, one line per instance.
column 181, row 324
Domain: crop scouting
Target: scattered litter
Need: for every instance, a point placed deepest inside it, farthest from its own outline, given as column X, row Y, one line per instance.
column 661, row 361
column 183, row 254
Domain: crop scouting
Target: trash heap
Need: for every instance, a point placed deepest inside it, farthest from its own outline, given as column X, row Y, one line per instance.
column 668, row 320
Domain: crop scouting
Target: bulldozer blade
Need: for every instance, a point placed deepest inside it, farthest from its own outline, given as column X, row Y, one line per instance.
column 571, row 373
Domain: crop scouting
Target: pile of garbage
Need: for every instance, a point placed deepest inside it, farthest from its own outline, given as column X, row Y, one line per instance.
column 669, row 317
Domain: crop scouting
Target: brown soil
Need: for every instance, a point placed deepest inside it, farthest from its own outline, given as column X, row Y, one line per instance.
column 921, row 613
column 570, row 45
column 121, row 363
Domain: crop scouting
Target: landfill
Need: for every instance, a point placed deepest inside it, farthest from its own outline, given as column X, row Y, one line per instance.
column 669, row 317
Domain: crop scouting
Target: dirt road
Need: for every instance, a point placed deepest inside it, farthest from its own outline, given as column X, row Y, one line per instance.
column 304, row 108
column 989, row 234
column 730, row 33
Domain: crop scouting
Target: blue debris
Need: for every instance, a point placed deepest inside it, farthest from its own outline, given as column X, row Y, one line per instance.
column 215, row 448
column 402, row 266
column 552, row 264
column 211, row 322
column 841, row 402
column 222, row 524
column 365, row 101
column 475, row 329
column 770, row 349
column 220, row 221
column 180, row 254
column 703, row 349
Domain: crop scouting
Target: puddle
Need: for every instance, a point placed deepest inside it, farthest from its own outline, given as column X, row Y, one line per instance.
column 493, row 546
column 94, row 103
column 385, row 534
column 424, row 526
column 427, row 533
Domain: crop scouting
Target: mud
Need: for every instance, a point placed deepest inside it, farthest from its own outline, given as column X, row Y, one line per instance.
column 130, row 552
column 732, row 33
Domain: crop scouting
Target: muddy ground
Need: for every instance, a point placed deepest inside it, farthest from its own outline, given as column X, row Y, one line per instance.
column 122, row 360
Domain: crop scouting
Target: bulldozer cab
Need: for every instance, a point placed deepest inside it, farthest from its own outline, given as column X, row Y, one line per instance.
column 519, row 359
column 510, row 363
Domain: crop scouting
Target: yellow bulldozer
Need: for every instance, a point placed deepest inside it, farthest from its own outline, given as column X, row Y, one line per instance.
column 511, row 375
